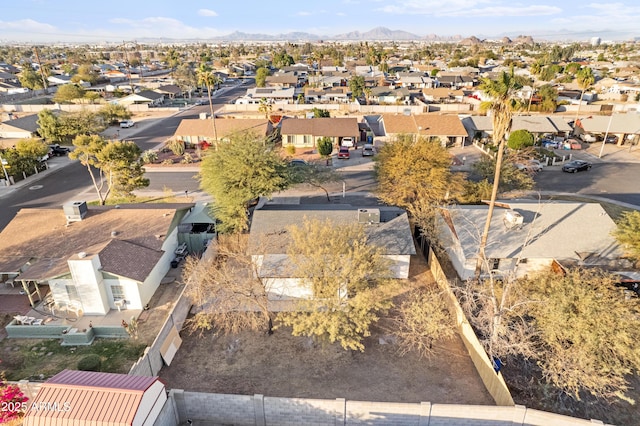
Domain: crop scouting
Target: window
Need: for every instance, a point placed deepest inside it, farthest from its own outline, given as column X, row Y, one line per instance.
column 494, row 264
column 308, row 140
column 290, row 139
column 117, row 291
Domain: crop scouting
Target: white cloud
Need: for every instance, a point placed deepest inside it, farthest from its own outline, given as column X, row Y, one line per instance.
column 304, row 13
column 341, row 14
column 24, row 25
column 469, row 8
column 207, row 12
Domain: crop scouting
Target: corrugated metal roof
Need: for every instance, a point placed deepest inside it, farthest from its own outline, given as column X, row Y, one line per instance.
column 82, row 398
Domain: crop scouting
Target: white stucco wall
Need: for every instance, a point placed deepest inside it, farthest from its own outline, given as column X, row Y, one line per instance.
column 399, row 265
column 89, row 284
column 131, row 292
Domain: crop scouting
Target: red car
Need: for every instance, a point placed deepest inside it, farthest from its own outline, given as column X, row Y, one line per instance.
column 344, row 153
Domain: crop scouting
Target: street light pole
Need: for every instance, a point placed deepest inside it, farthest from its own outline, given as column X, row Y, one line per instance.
column 604, row 141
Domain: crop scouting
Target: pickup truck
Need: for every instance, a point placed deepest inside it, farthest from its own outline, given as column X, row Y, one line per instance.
column 348, row 142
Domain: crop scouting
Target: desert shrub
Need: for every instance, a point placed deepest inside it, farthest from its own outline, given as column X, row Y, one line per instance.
column 176, row 146
column 291, row 150
column 149, row 156
column 91, row 362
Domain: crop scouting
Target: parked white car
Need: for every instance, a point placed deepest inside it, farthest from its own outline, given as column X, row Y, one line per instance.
column 125, row 124
column 348, row 142
column 530, row 166
column 587, row 137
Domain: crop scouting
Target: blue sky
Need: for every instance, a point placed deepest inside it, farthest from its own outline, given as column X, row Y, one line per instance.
column 117, row 20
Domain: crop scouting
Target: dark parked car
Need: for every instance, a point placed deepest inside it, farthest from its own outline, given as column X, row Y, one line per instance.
column 58, row 151
column 611, row 139
column 576, row 166
column 298, row 162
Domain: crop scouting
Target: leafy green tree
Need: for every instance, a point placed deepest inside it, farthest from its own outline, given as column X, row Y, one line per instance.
column 261, row 76
column 113, row 166
column 114, row 113
column 628, row 233
column 549, row 96
column 68, row 93
column 185, row 78
column 325, row 147
column 315, row 175
column 588, row 334
column 238, row 172
column 348, row 277
column 282, row 59
column 320, row 113
column 510, row 177
column 49, row 126
column 120, row 161
column 519, row 139
column 32, row 148
column 415, row 174
column 85, row 73
column 30, row 79
column 71, row 125
column 356, row 85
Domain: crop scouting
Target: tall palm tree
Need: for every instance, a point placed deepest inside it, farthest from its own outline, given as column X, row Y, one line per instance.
column 207, row 77
column 501, row 106
column 584, row 78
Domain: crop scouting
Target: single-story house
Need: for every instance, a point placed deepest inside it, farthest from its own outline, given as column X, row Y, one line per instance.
column 540, row 124
column 388, row 95
column 305, row 132
column 93, row 258
column 148, row 97
column 172, row 91
column 414, row 80
column 287, row 79
column 625, row 126
column 528, row 236
column 447, row 128
column 443, row 94
column 327, row 95
column 20, row 128
column 386, row 227
column 270, row 94
column 193, row 131
column 93, row 398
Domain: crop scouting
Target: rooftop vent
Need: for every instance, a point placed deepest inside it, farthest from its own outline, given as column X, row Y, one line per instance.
column 368, row 215
column 513, row 219
column 75, row 211
column 82, row 254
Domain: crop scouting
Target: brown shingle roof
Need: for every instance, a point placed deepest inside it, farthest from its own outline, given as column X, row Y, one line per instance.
column 424, row 124
column 225, row 127
column 43, row 234
column 320, row 126
column 128, row 260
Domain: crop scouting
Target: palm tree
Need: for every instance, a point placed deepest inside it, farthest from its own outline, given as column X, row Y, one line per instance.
column 207, row 77
column 584, row 78
column 501, row 106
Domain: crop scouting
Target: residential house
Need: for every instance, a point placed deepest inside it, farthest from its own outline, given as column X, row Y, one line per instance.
column 327, row 95
column 196, row 131
column 443, row 95
column 20, row 128
column 305, row 132
column 446, row 128
column 455, row 81
column 59, row 80
column 288, row 79
column 529, row 236
column 625, row 126
column 171, row 91
column 93, row 259
column 148, row 97
column 540, row 125
column 386, row 227
column 387, row 95
column 93, row 398
column 414, row 80
column 270, row 94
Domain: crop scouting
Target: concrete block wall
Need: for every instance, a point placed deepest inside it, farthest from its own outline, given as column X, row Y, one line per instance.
column 236, row 410
column 299, row 411
column 388, row 413
column 258, row 410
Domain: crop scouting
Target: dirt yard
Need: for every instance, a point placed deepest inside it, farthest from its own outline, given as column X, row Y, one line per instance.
column 286, row 366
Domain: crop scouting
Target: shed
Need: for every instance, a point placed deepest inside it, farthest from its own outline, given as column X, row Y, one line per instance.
column 87, row 397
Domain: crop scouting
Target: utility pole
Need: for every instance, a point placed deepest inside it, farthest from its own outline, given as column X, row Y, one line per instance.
column 45, row 83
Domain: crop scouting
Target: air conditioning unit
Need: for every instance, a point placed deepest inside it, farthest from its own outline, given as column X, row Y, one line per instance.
column 75, row 211
column 512, row 218
column 368, row 215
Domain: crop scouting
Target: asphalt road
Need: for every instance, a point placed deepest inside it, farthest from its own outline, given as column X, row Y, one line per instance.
column 617, row 181
column 72, row 181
